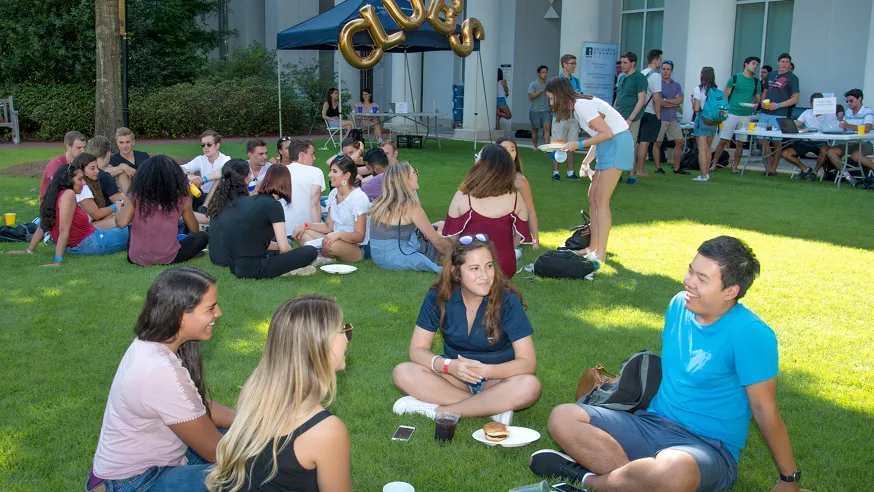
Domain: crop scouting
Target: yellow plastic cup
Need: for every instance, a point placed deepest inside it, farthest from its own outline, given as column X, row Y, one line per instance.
column 860, row 129
column 195, row 191
column 10, row 219
column 751, row 127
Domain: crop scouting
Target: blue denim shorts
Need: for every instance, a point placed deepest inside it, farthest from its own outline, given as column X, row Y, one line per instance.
column 539, row 118
column 102, row 242
column 644, row 435
column 617, row 152
column 476, row 388
column 502, row 102
column 365, row 251
column 701, row 129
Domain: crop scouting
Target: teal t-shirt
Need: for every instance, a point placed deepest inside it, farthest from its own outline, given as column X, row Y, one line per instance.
column 626, row 96
column 705, row 370
column 745, row 92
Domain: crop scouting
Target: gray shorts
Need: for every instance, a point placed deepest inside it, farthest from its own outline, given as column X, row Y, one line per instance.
column 567, row 130
column 539, row 118
column 644, row 435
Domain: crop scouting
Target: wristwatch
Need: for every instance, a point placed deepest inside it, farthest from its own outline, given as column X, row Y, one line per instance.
column 794, row 478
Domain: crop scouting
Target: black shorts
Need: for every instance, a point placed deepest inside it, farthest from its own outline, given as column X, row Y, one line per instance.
column 802, row 147
column 649, row 128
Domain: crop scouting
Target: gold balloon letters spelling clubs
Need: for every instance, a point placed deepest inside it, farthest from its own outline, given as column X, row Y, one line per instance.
column 461, row 44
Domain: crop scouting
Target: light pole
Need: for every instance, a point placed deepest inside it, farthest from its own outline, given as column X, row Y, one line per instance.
column 122, row 18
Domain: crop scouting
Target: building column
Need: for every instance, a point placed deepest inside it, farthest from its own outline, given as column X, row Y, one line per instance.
column 350, row 76
column 581, row 21
column 488, row 12
column 405, row 74
column 716, row 52
column 868, row 84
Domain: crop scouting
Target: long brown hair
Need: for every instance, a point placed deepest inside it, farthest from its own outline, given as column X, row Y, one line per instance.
column 563, row 97
column 277, row 182
column 450, row 279
column 80, row 162
column 516, row 161
column 493, row 174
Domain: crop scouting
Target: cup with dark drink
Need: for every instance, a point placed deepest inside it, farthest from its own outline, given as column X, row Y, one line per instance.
column 446, row 422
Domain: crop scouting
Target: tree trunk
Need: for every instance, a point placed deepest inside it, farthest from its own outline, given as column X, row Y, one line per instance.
column 107, row 107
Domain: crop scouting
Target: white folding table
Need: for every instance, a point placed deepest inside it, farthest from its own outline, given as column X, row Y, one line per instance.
column 357, row 117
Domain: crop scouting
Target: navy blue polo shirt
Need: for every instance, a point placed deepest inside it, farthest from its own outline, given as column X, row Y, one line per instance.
column 456, row 341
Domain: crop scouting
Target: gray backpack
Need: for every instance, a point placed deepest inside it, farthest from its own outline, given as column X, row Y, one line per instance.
column 639, row 380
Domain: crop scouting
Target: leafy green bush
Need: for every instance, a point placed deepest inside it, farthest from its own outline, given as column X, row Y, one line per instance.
column 48, row 111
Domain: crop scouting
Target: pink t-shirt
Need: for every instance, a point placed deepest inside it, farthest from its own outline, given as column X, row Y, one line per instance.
column 153, row 240
column 150, row 392
column 49, row 172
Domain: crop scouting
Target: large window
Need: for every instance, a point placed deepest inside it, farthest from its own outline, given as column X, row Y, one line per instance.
column 641, row 27
column 763, row 28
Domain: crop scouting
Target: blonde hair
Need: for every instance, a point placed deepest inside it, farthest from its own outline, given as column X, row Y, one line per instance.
column 295, row 375
column 397, row 198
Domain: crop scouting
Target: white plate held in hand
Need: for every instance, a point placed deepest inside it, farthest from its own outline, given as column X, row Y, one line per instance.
column 338, row 269
column 519, row 436
column 550, row 147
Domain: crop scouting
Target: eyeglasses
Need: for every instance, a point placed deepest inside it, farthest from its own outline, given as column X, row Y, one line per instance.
column 347, row 330
column 669, row 62
column 416, row 171
column 206, row 145
column 466, row 240
column 850, row 100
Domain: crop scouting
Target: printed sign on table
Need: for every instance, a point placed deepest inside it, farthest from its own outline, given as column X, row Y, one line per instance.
column 599, row 69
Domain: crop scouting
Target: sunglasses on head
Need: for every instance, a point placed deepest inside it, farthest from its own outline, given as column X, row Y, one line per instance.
column 466, row 240
column 206, row 145
column 347, row 330
column 285, row 139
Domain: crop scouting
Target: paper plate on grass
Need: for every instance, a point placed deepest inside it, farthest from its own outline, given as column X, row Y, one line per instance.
column 338, row 269
column 550, row 147
column 519, row 436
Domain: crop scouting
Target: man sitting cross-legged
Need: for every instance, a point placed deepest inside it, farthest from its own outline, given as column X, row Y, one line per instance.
column 719, row 365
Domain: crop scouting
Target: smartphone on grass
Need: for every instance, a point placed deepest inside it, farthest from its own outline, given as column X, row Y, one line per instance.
column 565, row 487
column 404, row 433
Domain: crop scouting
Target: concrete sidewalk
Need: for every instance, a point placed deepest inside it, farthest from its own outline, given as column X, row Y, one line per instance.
column 8, row 145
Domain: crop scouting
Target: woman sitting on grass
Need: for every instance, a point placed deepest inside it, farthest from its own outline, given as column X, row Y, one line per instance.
column 283, row 156
column 91, row 199
column 159, row 196
column 344, row 234
column 283, row 438
column 250, row 226
column 394, row 218
column 236, row 174
column 488, row 202
column 69, row 225
column 523, row 186
column 160, row 430
column 488, row 360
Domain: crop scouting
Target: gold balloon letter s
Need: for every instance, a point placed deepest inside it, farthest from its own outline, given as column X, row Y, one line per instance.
column 470, row 29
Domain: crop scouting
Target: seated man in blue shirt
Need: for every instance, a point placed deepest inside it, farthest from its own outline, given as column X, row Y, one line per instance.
column 719, row 366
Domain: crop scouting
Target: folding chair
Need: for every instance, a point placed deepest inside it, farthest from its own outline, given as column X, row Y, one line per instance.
column 335, row 131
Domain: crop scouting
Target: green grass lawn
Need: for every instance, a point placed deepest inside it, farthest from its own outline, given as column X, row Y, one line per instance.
column 63, row 331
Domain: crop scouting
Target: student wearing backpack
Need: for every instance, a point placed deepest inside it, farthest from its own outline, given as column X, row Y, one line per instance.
column 741, row 88
column 650, row 122
column 719, row 368
column 704, row 128
column 781, row 94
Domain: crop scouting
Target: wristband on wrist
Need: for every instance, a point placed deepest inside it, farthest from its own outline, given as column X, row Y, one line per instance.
column 432, row 363
column 446, row 365
column 205, row 179
column 580, row 143
column 59, row 259
column 778, row 105
column 113, row 207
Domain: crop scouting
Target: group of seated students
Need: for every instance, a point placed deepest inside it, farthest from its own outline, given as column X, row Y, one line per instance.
column 719, row 368
column 251, row 211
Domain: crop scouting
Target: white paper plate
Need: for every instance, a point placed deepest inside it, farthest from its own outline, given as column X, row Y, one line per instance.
column 747, row 105
column 338, row 269
column 519, row 436
column 550, row 147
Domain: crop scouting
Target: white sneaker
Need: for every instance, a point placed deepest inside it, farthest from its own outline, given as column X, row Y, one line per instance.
column 410, row 404
column 323, row 260
column 701, row 178
column 505, row 418
column 518, row 253
column 301, row 272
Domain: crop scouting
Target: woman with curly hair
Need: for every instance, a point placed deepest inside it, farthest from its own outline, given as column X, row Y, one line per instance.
column 69, row 225
column 236, row 174
column 159, row 196
column 487, row 364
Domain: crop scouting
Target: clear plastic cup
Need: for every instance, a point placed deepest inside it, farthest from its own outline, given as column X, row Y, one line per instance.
column 559, row 156
column 445, row 424
column 534, row 487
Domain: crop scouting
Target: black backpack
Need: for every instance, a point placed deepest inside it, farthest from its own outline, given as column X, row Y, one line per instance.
column 582, row 235
column 562, row 263
column 639, row 380
column 523, row 133
column 21, row 233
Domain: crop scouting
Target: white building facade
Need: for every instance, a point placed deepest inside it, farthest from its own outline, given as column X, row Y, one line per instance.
column 831, row 44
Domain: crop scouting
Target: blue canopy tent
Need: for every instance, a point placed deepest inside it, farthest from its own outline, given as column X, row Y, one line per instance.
column 322, row 32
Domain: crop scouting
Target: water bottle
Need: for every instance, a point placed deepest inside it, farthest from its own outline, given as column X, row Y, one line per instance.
column 252, row 185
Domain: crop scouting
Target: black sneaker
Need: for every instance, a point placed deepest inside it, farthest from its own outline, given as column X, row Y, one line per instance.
column 573, row 176
column 680, row 171
column 812, row 176
column 556, row 177
column 660, row 171
column 551, row 463
column 805, row 174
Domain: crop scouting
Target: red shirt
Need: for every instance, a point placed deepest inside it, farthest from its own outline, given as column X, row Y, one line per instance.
column 50, row 170
column 79, row 229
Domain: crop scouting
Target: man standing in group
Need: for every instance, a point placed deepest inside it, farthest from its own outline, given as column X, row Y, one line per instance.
column 209, row 164
column 538, row 112
column 617, row 77
column 778, row 98
column 763, row 76
column 672, row 104
column 123, row 164
column 650, row 122
column 567, row 130
column 744, row 95
column 719, row 367
column 631, row 97
column 307, row 183
column 256, row 150
column 74, row 143
column 568, row 67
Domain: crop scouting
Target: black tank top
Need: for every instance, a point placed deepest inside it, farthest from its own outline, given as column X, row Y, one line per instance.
column 290, row 476
column 332, row 112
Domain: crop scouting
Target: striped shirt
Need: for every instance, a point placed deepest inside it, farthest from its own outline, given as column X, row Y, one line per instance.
column 865, row 116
